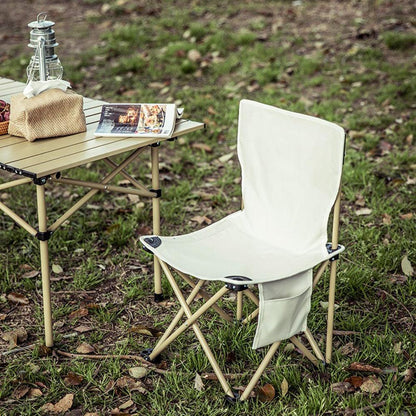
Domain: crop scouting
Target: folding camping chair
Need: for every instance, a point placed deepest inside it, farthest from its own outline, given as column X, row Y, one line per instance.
column 291, row 172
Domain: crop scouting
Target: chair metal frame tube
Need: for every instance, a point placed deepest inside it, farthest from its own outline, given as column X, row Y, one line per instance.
column 196, row 329
column 260, row 370
column 332, row 280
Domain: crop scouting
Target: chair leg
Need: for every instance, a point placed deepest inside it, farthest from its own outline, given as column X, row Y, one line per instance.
column 314, row 344
column 196, row 329
column 331, row 310
column 192, row 318
column 260, row 370
column 239, row 305
column 205, row 295
column 332, row 280
column 296, row 341
column 179, row 315
column 319, row 273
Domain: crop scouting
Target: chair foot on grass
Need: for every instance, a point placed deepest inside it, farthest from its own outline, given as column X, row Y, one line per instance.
column 146, row 355
column 232, row 400
column 159, row 297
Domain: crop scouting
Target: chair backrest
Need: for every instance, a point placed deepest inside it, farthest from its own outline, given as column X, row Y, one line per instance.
column 291, row 171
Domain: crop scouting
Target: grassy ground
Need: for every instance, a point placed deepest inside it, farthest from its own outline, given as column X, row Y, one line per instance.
column 349, row 62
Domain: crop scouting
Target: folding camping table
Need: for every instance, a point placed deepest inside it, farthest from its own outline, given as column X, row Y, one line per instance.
column 43, row 162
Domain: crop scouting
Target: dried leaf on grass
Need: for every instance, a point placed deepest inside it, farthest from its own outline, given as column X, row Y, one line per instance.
column 408, row 374
column 145, row 330
column 342, row 387
column 126, row 405
column 85, row 348
column 138, row 372
column 60, row 407
column 202, row 146
column 225, row 158
column 198, row 382
column 20, row 391
column 129, row 383
column 83, row 328
column 266, row 393
column 57, row 269
column 15, row 337
column 201, row 219
column 348, row 349
column 363, row 211
column 366, row 368
column 355, row 381
column 78, row 313
column 17, row 298
column 407, row 267
column 284, row 387
column 32, row 274
column 371, row 384
column 73, row 379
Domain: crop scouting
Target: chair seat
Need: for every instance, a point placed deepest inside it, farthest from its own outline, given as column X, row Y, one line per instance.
column 225, row 249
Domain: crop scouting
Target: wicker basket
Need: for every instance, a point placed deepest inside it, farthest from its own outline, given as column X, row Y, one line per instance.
column 4, row 126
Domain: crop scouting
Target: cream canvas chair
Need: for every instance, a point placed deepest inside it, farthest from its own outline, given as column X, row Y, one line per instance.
column 291, row 172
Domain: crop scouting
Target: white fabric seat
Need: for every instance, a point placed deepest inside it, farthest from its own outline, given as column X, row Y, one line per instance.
column 225, row 249
column 291, row 168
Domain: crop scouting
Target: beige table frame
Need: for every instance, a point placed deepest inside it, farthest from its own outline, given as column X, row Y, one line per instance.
column 41, row 162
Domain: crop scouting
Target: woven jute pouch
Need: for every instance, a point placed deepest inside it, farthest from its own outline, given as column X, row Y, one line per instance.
column 52, row 113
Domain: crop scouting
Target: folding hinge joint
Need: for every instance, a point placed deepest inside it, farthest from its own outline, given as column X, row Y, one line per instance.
column 43, row 235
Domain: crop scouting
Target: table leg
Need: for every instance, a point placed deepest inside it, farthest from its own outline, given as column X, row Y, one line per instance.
column 44, row 260
column 156, row 219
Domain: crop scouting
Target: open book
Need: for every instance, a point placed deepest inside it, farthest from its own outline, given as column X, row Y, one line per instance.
column 141, row 120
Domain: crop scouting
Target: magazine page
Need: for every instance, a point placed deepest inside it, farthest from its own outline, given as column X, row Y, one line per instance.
column 146, row 120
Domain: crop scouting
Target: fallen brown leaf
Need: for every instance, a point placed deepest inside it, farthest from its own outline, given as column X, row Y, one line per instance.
column 348, row 349
column 78, row 313
column 284, row 387
column 371, row 384
column 60, row 407
column 266, row 393
column 407, row 267
column 363, row 211
column 355, row 381
column 202, row 146
column 32, row 274
column 20, row 391
column 201, row 220
column 198, row 382
column 145, row 330
column 17, row 298
column 128, row 383
column 85, row 348
column 33, row 393
column 138, row 372
column 126, row 404
column 366, row 368
column 408, row 374
column 83, row 328
column 72, row 379
column 15, row 337
column 342, row 387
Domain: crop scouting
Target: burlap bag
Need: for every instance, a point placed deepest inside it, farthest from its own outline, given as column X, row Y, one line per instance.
column 52, row 113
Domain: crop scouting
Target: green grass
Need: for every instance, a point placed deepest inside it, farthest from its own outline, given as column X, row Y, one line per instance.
column 366, row 85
